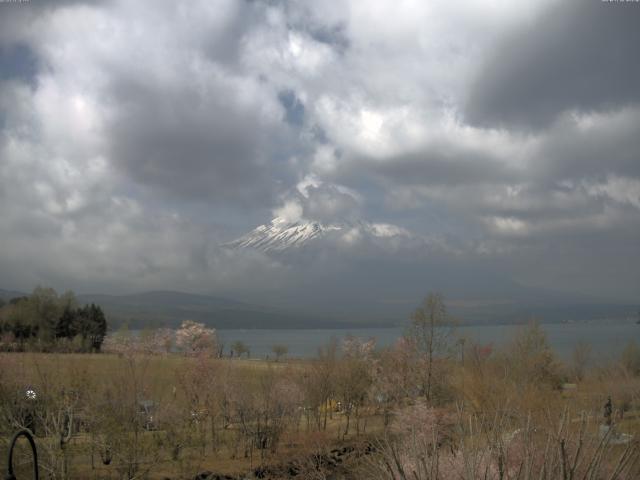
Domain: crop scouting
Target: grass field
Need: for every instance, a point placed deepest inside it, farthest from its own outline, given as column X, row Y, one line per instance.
column 166, row 381
column 135, row 416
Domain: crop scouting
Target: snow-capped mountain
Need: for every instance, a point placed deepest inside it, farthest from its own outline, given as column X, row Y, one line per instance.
column 281, row 235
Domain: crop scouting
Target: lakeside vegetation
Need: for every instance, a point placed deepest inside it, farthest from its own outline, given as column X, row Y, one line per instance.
column 45, row 321
column 431, row 406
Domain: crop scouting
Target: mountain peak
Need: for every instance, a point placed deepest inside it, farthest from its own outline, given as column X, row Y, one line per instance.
column 280, row 234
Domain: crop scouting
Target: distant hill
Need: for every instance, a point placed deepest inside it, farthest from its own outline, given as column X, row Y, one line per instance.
column 7, row 295
column 170, row 308
column 509, row 313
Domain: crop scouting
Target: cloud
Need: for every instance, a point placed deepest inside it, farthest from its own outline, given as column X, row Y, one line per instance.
column 290, row 212
column 327, row 202
column 575, row 56
column 316, row 200
column 622, row 190
column 173, row 116
column 135, row 139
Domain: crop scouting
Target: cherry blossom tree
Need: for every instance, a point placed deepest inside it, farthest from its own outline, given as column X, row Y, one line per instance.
column 120, row 343
column 194, row 338
column 158, row 341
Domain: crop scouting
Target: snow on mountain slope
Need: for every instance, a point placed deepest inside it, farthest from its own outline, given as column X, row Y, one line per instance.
column 281, row 235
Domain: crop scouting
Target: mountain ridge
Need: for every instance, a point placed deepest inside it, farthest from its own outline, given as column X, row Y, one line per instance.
column 168, row 308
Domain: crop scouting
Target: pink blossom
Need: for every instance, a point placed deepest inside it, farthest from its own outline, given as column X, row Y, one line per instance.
column 194, row 338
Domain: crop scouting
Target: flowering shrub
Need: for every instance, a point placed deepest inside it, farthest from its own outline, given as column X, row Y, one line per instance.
column 355, row 347
column 121, row 343
column 159, row 341
column 153, row 342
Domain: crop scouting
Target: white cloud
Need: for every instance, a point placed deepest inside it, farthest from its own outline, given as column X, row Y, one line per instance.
column 290, row 212
column 619, row 189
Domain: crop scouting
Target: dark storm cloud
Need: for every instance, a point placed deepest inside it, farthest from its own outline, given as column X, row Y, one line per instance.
column 447, row 165
column 195, row 146
column 577, row 55
column 560, row 260
column 606, row 144
column 223, row 44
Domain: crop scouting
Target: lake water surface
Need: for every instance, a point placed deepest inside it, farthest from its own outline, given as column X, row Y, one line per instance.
column 607, row 339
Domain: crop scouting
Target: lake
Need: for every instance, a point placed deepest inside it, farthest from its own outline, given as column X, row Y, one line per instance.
column 607, row 339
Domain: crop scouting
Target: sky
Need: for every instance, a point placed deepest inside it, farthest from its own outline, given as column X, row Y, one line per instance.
column 136, row 138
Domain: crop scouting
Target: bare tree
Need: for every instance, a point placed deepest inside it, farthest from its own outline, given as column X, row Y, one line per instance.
column 354, row 378
column 240, row 348
column 279, row 351
column 580, row 360
column 428, row 446
column 630, row 358
column 429, row 334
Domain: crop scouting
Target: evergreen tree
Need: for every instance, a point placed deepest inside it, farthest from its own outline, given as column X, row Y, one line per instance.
column 50, row 317
column 66, row 323
column 98, row 328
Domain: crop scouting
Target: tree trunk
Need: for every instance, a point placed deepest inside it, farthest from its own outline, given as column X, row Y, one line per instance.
column 346, row 430
column 326, row 411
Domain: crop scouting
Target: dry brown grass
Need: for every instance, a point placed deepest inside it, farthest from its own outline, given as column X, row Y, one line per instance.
column 161, row 378
column 239, row 393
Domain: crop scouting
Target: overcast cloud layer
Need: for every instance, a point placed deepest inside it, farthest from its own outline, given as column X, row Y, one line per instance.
column 137, row 137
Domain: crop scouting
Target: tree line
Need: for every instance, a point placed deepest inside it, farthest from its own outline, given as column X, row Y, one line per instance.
column 46, row 321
